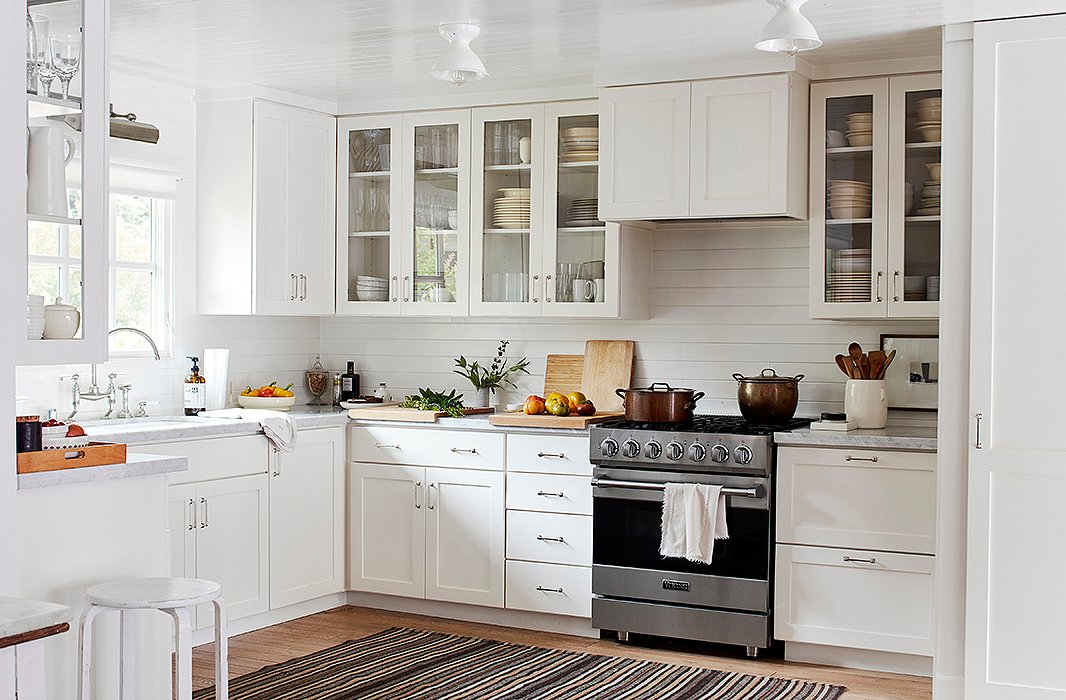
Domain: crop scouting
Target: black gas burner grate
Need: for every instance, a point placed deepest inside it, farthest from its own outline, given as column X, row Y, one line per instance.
column 736, row 425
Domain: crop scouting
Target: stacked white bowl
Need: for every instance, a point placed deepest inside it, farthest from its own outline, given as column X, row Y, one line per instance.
column 369, row 288
column 34, row 316
column 929, row 115
column 849, row 199
column 861, row 128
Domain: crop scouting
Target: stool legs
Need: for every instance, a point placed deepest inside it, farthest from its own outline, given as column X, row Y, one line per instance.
column 85, row 652
column 127, row 688
column 183, row 647
column 221, row 651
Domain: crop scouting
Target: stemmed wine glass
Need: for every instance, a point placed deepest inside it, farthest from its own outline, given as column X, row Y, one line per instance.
column 66, row 59
column 43, row 59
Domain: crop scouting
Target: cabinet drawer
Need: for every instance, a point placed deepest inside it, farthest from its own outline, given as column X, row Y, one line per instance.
column 534, row 537
column 429, row 447
column 549, row 493
column 834, row 597
column 857, row 498
column 216, row 458
column 549, row 454
column 549, row 588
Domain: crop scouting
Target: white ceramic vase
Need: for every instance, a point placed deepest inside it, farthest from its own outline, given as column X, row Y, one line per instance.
column 866, row 402
column 479, row 398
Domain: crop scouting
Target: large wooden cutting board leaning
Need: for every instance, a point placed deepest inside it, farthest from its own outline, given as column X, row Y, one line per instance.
column 406, row 415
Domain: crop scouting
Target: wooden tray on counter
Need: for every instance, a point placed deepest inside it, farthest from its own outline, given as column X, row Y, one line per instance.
column 407, row 415
column 95, row 454
column 521, row 420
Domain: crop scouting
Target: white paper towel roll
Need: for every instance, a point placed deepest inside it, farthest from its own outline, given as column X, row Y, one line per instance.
column 216, row 372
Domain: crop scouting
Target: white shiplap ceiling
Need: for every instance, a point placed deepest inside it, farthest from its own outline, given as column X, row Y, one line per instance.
column 372, row 51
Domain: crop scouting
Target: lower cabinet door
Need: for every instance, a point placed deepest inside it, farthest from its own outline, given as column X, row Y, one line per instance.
column 387, row 529
column 465, row 536
column 231, row 544
column 307, row 519
column 549, row 588
column 855, row 598
column 182, row 522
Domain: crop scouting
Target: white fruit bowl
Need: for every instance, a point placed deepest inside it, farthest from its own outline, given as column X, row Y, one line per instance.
column 270, row 403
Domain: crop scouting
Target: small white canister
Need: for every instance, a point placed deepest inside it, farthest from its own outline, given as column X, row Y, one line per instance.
column 866, row 402
column 61, row 320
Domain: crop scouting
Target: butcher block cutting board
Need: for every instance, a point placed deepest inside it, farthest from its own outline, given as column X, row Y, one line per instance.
column 608, row 366
column 563, row 373
column 544, row 420
column 407, row 415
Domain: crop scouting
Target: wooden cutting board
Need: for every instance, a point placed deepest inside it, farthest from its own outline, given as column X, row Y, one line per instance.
column 521, row 420
column 563, row 373
column 95, row 454
column 608, row 366
column 407, row 415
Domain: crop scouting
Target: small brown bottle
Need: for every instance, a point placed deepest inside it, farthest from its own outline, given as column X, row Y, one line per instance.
column 195, row 390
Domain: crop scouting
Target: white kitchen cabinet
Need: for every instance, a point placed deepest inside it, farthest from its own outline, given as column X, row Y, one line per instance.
column 553, row 538
column 879, row 258
column 549, row 493
column 464, row 449
column 387, row 529
column 307, row 497
column 548, row 454
column 549, row 588
column 265, row 201
column 732, row 147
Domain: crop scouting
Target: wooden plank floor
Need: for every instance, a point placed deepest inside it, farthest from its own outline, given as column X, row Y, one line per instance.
column 251, row 651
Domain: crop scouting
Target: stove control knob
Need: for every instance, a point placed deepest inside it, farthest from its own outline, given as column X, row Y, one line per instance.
column 675, row 451
column 609, row 448
column 719, row 454
column 653, row 450
column 697, row 452
column 630, row 448
column 743, row 455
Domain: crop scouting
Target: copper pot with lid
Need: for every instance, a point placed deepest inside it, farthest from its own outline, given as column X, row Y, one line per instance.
column 768, row 399
column 659, row 403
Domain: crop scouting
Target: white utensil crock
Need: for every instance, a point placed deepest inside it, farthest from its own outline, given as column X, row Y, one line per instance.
column 866, row 402
column 49, row 152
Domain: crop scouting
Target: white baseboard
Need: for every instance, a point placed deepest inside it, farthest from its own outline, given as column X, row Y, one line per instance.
column 272, row 617
column 864, row 659
column 542, row 622
column 947, row 687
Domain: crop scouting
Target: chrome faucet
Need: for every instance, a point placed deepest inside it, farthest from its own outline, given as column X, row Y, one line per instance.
column 94, row 393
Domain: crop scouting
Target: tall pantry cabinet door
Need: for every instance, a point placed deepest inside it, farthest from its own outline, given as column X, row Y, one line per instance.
column 387, row 529
column 1017, row 462
column 277, row 286
column 644, row 152
column 465, row 536
column 313, row 182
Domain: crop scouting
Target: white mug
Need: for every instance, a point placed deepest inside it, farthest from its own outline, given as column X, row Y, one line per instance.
column 46, row 190
column 584, row 290
column 525, row 147
column 599, row 289
column 866, row 402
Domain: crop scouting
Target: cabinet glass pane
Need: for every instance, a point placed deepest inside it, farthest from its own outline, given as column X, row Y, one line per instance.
column 507, row 199
column 369, row 215
column 580, row 237
column 921, row 261
column 436, row 203
column 849, row 199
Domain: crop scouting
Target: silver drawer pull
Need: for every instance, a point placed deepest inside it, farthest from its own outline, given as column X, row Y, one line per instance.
column 542, row 589
column 552, row 455
column 462, row 451
column 559, row 494
column 871, row 560
column 542, row 538
column 849, row 458
column 192, row 514
column 383, row 446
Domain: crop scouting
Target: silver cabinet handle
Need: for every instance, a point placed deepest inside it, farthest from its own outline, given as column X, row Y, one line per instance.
column 849, row 458
column 192, row 514
column 406, row 279
column 542, row 538
column 548, row 288
column 534, row 284
column 877, row 288
column 871, row 560
column 303, row 283
column 542, row 589
column 292, row 297
column 418, row 492
column 432, row 487
column 203, row 521
column 276, row 472
column 392, row 288
column 383, row 446
column 558, row 494
column 552, row 455
column 464, row 451
column 979, row 446
column 895, row 279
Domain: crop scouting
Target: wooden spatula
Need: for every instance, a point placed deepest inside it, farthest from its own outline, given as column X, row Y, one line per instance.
column 888, row 361
column 844, row 364
column 877, row 362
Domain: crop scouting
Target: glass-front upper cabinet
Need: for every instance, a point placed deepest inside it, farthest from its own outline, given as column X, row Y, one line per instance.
column 65, row 240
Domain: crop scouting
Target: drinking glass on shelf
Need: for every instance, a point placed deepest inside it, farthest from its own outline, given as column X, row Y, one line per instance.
column 358, row 208
column 513, row 135
column 420, row 210
column 436, row 147
column 31, row 55
column 498, row 143
column 373, row 208
column 453, row 146
column 385, row 211
column 66, row 58
column 420, row 150
column 45, row 73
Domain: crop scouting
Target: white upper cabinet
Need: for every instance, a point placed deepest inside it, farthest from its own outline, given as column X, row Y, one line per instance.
column 265, row 209
column 732, row 147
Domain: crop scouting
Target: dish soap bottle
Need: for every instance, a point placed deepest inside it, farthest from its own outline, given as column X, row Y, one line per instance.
column 195, row 390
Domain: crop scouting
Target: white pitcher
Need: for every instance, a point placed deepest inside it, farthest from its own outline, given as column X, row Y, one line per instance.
column 49, row 151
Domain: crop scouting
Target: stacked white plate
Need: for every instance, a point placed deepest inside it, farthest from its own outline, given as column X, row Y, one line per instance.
column 34, row 316
column 914, row 288
column 908, row 198
column 851, row 260
column 861, row 128
column 932, row 288
column 847, row 287
column 849, row 199
column 369, row 288
column 928, row 126
column 930, row 203
column 583, row 212
column 580, row 144
column 510, row 209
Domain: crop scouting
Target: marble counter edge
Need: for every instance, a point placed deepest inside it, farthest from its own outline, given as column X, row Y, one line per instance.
column 19, row 615
column 137, row 464
column 204, row 428
column 471, row 423
column 861, row 438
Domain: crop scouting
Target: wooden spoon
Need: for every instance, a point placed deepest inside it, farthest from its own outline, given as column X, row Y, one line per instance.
column 877, row 362
column 888, row 361
column 844, row 365
column 864, row 365
column 855, row 350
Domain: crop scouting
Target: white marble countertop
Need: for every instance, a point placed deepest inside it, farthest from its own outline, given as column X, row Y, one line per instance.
column 892, row 437
column 135, row 465
column 18, row 616
column 476, row 422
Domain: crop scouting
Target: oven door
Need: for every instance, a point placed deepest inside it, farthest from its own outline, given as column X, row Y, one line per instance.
column 626, row 531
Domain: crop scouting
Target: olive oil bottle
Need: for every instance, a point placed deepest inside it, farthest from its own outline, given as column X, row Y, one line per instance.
column 195, row 390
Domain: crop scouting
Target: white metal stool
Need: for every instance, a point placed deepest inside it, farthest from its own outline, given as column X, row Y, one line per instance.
column 174, row 596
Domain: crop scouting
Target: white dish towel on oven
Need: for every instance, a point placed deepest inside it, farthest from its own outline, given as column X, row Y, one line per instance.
column 693, row 518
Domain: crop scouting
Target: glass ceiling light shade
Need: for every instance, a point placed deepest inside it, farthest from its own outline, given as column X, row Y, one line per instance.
column 788, row 31
column 459, row 64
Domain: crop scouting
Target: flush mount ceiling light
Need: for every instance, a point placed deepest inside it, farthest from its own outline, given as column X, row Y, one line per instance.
column 459, row 64
column 788, row 31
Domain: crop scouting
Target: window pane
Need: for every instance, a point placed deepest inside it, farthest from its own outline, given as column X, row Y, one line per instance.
column 44, row 239
column 74, row 288
column 74, row 203
column 133, row 228
column 133, row 302
column 44, row 280
column 74, row 234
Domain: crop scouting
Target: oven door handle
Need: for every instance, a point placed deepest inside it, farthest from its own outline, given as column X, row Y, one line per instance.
column 602, row 483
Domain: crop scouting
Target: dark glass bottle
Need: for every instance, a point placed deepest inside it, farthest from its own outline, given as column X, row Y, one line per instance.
column 349, row 383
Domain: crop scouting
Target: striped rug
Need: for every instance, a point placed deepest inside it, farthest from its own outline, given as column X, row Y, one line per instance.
column 407, row 664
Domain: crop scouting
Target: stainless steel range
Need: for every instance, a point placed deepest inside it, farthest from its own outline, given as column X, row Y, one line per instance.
column 637, row 590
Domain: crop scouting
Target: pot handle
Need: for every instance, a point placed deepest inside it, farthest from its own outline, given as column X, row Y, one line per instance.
column 621, row 393
column 798, row 377
column 655, row 384
column 772, row 372
column 738, row 376
column 692, row 402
